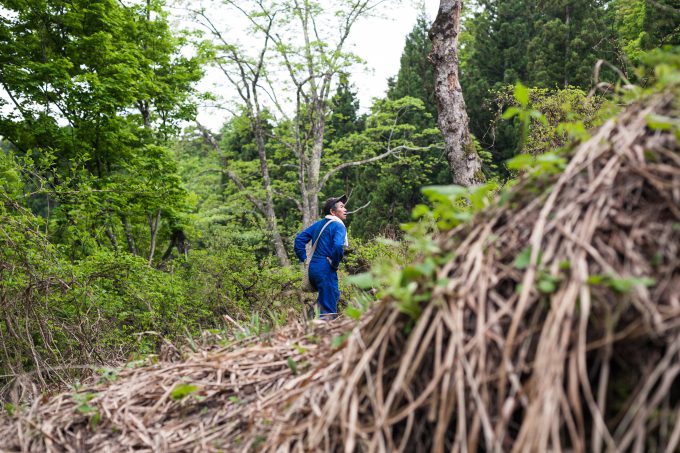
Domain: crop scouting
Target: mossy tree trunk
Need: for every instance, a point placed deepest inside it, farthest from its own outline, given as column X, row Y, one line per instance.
column 465, row 164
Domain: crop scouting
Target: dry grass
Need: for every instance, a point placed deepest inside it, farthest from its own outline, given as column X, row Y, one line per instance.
column 492, row 363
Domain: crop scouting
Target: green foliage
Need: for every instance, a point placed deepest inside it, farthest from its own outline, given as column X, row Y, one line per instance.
column 453, row 205
column 547, row 119
column 550, row 45
column 115, row 235
column 344, row 119
column 416, row 75
column 292, row 365
column 96, row 89
column 523, row 113
column 641, row 26
column 181, row 391
column 391, row 186
column 409, row 285
column 620, row 284
column 232, row 281
column 567, row 40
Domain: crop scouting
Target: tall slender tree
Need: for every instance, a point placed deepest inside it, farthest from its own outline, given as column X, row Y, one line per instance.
column 465, row 164
column 416, row 74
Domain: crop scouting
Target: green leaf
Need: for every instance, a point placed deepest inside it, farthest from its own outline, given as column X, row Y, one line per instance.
column 625, row 285
column 551, row 158
column 510, row 112
column 182, row 390
column 410, row 273
column 85, row 408
column 353, row 313
column 95, row 419
column 521, row 94
column 520, row 162
column 292, row 365
column 662, row 123
column 364, row 280
column 539, row 116
column 338, row 340
column 451, row 190
column 523, row 259
column 596, row 279
column 420, row 210
column 546, row 286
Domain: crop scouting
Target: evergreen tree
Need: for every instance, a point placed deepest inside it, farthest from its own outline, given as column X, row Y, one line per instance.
column 549, row 44
column 343, row 122
column 494, row 57
column 416, row 74
column 344, row 118
column 569, row 37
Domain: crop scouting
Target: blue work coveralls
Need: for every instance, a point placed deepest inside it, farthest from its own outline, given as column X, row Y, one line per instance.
column 325, row 261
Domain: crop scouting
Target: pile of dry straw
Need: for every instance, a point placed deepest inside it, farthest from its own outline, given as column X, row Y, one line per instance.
column 588, row 362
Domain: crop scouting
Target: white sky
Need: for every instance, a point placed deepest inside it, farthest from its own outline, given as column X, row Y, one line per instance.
column 379, row 42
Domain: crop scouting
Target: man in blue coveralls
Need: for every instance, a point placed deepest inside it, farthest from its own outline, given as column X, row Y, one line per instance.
column 331, row 245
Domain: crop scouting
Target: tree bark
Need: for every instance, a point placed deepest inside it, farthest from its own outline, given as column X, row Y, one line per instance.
column 465, row 164
column 266, row 207
column 132, row 248
column 154, row 222
column 269, row 213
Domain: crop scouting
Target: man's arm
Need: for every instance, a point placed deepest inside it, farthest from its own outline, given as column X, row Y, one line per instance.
column 301, row 241
column 338, row 244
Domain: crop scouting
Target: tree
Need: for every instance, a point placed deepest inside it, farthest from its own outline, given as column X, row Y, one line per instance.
column 495, row 56
column 642, row 25
column 416, row 74
column 391, row 188
column 465, row 164
column 569, row 37
column 344, row 117
column 293, row 71
column 95, row 89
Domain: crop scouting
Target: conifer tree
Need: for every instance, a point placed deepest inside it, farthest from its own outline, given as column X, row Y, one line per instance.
column 495, row 56
column 344, row 118
column 569, row 37
column 416, row 75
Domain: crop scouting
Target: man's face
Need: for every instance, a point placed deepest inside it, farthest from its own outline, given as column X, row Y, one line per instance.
column 340, row 211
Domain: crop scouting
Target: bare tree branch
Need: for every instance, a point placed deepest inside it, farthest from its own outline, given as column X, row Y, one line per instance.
column 209, row 139
column 357, row 163
column 360, row 208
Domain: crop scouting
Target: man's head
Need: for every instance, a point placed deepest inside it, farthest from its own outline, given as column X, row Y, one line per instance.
column 336, row 206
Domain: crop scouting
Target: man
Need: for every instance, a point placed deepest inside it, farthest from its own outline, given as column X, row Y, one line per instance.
column 330, row 248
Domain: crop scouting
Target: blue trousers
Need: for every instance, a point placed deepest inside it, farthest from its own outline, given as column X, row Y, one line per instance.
column 325, row 280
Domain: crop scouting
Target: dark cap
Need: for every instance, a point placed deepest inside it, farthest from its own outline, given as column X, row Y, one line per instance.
column 328, row 205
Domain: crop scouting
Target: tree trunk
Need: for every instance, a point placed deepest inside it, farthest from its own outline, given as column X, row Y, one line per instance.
column 465, row 164
column 154, row 222
column 312, row 187
column 132, row 248
column 269, row 213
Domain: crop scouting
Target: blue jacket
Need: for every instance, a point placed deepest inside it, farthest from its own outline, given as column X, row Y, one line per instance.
column 331, row 244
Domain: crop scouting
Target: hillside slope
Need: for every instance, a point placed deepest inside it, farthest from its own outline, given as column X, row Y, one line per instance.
column 556, row 325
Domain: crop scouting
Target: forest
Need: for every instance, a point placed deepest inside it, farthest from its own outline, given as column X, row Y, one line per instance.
column 512, row 280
